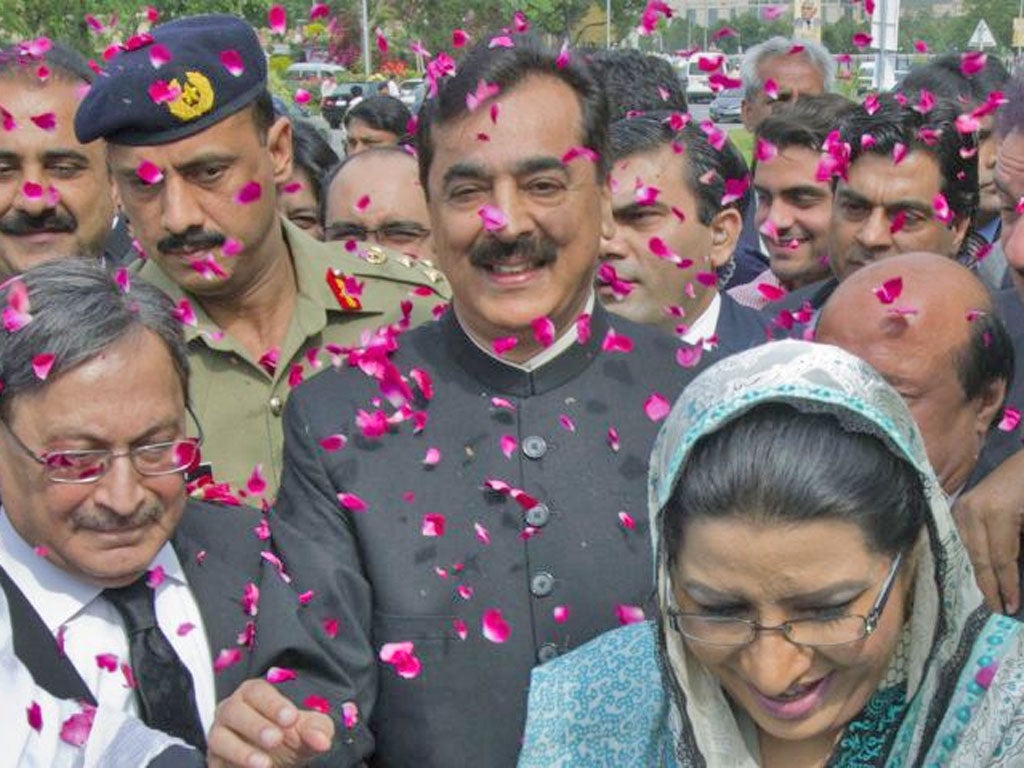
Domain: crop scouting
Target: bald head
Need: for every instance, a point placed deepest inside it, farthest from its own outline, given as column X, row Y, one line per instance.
column 927, row 325
column 378, row 192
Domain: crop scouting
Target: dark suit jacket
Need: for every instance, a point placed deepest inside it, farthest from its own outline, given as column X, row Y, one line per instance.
column 738, row 327
column 220, row 555
column 389, row 583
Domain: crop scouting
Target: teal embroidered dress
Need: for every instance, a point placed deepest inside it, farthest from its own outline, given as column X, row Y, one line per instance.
column 953, row 695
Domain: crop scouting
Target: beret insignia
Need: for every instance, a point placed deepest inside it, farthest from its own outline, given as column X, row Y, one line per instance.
column 195, row 98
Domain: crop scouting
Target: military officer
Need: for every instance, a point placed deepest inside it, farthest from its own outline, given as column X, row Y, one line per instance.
column 196, row 152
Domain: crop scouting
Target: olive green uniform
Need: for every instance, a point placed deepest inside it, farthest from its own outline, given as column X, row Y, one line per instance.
column 237, row 401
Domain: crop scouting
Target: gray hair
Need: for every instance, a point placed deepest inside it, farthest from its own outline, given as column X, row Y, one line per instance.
column 816, row 54
column 78, row 310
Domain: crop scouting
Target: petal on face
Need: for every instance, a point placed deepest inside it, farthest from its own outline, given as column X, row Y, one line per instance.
column 889, row 291
column 46, row 121
column 249, row 193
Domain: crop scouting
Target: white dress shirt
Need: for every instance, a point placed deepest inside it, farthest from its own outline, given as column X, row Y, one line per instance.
column 558, row 346
column 116, row 740
column 92, row 626
column 704, row 327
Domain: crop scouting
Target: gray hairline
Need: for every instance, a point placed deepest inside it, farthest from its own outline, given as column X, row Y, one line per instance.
column 815, row 54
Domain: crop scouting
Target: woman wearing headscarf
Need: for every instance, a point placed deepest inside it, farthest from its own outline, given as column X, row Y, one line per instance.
column 815, row 604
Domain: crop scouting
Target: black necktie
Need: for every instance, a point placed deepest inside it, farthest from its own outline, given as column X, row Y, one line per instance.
column 164, row 687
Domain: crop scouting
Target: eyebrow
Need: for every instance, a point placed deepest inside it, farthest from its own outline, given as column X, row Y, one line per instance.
column 842, row 591
column 896, row 205
column 632, row 208
column 88, row 437
column 525, row 167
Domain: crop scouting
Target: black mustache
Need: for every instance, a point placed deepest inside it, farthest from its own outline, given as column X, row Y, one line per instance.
column 19, row 223
column 490, row 251
column 190, row 240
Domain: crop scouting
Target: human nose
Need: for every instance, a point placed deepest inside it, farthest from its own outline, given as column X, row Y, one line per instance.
column 1013, row 243
column 614, row 247
column 518, row 219
column 120, row 488
column 773, row 664
column 179, row 211
column 875, row 233
column 33, row 196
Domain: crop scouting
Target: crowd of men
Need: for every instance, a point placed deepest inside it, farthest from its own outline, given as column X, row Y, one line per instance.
column 327, row 496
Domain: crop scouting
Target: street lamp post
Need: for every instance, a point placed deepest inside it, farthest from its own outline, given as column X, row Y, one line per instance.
column 366, row 39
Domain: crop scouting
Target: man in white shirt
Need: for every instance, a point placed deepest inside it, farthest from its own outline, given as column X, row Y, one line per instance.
column 123, row 593
column 677, row 202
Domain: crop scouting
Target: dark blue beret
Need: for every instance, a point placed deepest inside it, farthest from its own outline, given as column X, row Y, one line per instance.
column 174, row 82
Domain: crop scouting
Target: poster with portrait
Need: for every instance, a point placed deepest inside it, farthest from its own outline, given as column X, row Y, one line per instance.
column 807, row 20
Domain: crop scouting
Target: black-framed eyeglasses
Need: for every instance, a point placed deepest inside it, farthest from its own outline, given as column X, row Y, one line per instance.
column 728, row 632
column 392, row 233
column 88, row 466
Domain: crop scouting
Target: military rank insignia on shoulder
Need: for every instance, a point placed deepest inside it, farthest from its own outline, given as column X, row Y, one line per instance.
column 346, row 290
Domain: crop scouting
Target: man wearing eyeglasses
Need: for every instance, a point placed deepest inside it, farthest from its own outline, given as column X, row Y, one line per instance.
column 124, row 593
column 376, row 196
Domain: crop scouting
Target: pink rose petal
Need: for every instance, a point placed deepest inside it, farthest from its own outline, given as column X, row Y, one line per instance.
column 35, row 716
column 277, row 19
column 226, row 658
column 47, row 121
column 352, row 502
column 159, row 55
column 277, row 675
column 494, row 626
column 504, row 344
column 433, row 525
column 482, row 534
column 41, row 365
column 333, row 442
column 543, row 331
column 249, row 193
column 629, row 614
column 232, row 61
column 149, row 173
column 656, row 407
column 688, row 355
column 76, row 729
column 627, row 520
column 459, row 38
column 402, row 658
column 107, row 661
column 616, row 342
column 508, row 445
column 889, row 291
column 302, row 96
column 972, row 62
column 493, row 218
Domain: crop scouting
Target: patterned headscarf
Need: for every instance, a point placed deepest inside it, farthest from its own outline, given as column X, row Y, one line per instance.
column 930, row 707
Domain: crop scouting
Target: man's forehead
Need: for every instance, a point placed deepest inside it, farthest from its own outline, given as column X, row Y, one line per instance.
column 792, row 72
column 1010, row 164
column 877, row 177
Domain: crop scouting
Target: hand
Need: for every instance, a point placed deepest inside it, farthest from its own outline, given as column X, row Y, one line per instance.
column 990, row 518
column 257, row 727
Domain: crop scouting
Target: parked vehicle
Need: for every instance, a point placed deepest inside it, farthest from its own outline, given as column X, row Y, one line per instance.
column 305, row 72
column 335, row 104
column 726, row 107
column 408, row 91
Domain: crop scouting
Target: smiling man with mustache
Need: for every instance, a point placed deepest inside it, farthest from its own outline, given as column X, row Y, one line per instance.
column 55, row 194
column 480, row 519
column 263, row 303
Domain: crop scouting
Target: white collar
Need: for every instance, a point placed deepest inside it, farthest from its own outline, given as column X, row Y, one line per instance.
column 560, row 345
column 56, row 595
column 705, row 326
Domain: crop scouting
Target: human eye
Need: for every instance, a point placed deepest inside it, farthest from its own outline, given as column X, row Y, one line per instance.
column 465, row 193
column 66, row 169
column 852, row 209
column 763, row 198
column 303, row 221
column 208, row 173
column 76, row 466
column 913, row 218
column 402, row 234
column 346, row 232
column 545, row 187
column 723, row 611
column 8, row 168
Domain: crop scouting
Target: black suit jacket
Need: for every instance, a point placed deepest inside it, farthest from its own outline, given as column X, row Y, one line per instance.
column 738, row 327
column 220, row 555
column 388, row 582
